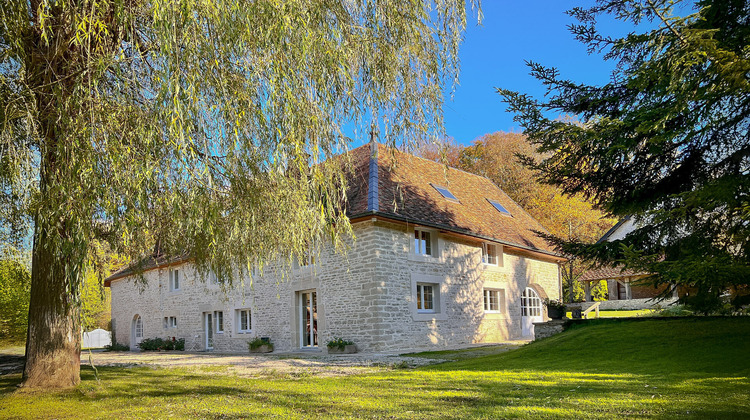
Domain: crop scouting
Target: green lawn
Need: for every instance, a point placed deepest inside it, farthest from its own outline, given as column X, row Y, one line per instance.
column 676, row 368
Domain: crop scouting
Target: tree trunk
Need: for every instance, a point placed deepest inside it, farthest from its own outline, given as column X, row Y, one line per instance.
column 53, row 344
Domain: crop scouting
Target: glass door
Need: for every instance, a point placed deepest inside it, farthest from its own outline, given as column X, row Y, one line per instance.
column 309, row 319
column 209, row 329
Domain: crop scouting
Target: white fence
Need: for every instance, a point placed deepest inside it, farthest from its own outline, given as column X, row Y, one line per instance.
column 96, row 339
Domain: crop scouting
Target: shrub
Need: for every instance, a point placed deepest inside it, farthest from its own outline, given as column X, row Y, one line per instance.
column 338, row 342
column 115, row 346
column 156, row 344
column 554, row 304
column 258, row 341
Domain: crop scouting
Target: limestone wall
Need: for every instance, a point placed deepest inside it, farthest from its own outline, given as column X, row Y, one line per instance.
column 366, row 295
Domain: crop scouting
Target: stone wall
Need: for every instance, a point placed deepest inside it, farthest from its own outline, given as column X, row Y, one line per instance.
column 367, row 295
column 631, row 304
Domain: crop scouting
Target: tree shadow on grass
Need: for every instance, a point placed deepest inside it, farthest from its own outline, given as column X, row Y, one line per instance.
column 421, row 393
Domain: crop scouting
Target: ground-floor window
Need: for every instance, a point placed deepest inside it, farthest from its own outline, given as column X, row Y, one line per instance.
column 427, row 297
column 170, row 322
column 492, row 299
column 219, row 317
column 244, row 321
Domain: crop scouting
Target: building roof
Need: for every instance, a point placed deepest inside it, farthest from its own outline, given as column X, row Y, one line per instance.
column 390, row 184
column 609, row 272
column 613, row 229
column 397, row 185
column 612, row 271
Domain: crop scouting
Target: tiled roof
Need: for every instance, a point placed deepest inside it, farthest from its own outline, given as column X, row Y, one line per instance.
column 148, row 263
column 392, row 184
column 609, row 272
column 405, row 191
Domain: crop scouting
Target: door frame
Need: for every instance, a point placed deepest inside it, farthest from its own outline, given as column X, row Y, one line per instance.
column 314, row 305
column 531, row 311
column 208, row 330
column 135, row 340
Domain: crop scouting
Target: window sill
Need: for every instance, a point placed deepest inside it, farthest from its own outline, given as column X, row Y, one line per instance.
column 429, row 316
column 423, row 258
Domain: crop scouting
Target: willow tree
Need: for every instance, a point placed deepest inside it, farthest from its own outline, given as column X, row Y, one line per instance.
column 205, row 124
column 665, row 140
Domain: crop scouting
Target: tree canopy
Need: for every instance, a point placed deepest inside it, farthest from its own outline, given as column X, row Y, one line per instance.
column 196, row 123
column 666, row 140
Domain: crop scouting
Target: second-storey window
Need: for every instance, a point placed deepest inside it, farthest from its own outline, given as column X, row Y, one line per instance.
column 423, row 243
column 244, row 321
column 426, row 297
column 174, row 279
column 489, row 254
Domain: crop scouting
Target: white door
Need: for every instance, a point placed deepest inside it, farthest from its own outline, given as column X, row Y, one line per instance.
column 209, row 330
column 137, row 332
column 531, row 311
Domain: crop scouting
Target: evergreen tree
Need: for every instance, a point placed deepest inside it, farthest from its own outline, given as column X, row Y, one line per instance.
column 665, row 140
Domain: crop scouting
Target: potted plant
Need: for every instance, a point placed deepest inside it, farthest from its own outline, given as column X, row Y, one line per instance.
column 340, row 346
column 555, row 308
column 260, row 345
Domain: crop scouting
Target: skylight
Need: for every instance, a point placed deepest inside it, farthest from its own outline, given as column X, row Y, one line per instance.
column 499, row 207
column 445, row 193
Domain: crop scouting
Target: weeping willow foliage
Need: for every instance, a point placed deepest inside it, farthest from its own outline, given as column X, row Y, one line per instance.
column 206, row 124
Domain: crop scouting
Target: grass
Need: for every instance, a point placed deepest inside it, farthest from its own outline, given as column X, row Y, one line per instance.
column 676, row 368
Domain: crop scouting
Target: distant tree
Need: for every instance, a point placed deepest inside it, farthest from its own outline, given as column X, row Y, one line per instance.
column 666, row 140
column 200, row 124
column 15, row 284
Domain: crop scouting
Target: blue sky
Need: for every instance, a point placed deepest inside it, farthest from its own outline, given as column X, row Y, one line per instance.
column 494, row 53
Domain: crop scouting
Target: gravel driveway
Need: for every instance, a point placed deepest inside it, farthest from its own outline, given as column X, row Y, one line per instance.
column 299, row 364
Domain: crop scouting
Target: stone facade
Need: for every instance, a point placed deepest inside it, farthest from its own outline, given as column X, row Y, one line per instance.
column 367, row 295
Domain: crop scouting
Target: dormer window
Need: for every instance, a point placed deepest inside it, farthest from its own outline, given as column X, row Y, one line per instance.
column 499, row 207
column 445, row 192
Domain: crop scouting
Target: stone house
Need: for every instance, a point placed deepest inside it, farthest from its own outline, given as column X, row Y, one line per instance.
column 441, row 258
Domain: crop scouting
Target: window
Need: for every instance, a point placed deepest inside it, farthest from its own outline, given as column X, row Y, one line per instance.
column 426, row 297
column 490, row 254
column 212, row 279
column 445, row 192
column 492, row 300
column 422, row 243
column 307, row 259
column 170, row 322
column 219, row 317
column 499, row 207
column 244, row 321
column 174, row 279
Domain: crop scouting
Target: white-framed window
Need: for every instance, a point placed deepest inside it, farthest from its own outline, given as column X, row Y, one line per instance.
column 490, row 254
column 492, row 300
column 212, row 278
column 219, row 317
column 244, row 321
column 427, row 297
column 170, row 322
column 174, row 279
column 423, row 243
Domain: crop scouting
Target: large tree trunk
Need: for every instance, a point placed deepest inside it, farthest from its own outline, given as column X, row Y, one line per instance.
column 53, row 344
